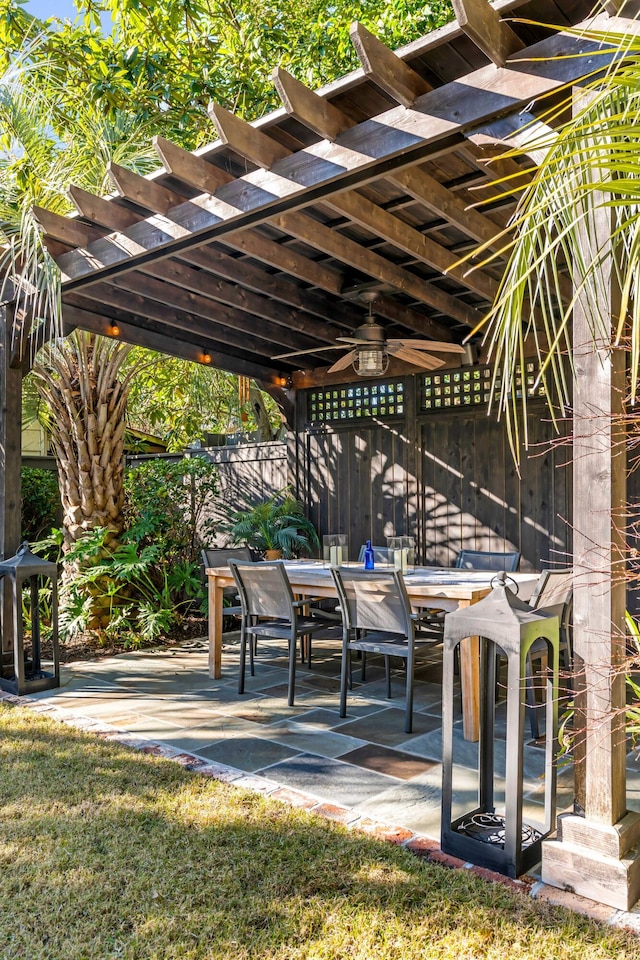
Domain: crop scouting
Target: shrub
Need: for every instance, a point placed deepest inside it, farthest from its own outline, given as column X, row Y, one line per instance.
column 166, row 505
column 127, row 592
column 40, row 503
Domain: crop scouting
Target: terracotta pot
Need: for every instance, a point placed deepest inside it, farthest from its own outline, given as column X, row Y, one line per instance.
column 273, row 555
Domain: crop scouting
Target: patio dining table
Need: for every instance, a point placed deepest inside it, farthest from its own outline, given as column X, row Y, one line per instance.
column 427, row 587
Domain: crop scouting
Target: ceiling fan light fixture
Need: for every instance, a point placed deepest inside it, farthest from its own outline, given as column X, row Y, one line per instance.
column 371, row 362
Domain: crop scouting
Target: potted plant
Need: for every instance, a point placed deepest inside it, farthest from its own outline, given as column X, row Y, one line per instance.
column 277, row 527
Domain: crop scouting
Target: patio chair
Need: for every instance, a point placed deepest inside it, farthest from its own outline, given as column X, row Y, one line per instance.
column 488, row 560
column 377, row 618
column 219, row 557
column 270, row 612
column 380, row 554
column 553, row 593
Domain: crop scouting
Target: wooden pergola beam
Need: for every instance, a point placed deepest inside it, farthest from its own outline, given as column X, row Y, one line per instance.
column 294, row 264
column 102, row 212
column 389, row 72
column 72, row 233
column 411, row 241
column 245, row 139
column 123, row 306
column 149, row 297
column 367, row 261
column 190, row 168
column 278, row 287
column 165, row 343
column 489, row 32
column 394, row 139
column 116, row 217
column 446, row 204
column 256, row 149
column 311, row 110
column 386, row 69
column 141, row 190
column 207, row 289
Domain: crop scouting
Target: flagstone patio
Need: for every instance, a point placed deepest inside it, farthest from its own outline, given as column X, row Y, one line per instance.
column 365, row 762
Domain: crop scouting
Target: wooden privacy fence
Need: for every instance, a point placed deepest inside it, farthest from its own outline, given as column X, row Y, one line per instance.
column 247, row 474
column 406, row 462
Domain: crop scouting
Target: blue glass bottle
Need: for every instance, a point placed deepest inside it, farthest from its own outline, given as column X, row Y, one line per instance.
column 368, row 556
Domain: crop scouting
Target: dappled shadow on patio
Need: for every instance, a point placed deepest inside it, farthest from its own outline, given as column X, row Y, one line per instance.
column 363, row 764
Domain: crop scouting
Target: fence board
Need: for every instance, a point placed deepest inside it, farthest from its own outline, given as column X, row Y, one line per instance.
column 446, row 477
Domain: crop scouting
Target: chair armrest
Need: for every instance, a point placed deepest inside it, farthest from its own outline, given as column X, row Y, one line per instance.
column 306, row 601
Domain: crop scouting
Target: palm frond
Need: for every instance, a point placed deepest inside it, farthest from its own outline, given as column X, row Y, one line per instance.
column 590, row 168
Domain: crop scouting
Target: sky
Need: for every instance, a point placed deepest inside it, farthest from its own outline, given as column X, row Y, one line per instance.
column 52, row 8
column 56, row 8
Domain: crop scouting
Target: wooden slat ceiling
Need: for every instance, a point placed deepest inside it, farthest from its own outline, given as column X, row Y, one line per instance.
column 259, row 243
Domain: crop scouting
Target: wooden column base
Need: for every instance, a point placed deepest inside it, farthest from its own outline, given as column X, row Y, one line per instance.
column 595, row 861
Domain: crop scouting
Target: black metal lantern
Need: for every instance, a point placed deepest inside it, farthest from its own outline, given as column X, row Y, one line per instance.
column 509, row 627
column 27, row 673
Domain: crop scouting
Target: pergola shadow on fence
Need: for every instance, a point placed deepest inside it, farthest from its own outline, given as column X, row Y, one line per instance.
column 264, row 242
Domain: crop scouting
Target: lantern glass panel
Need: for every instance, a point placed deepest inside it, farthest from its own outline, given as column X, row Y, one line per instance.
column 334, row 549
column 402, row 553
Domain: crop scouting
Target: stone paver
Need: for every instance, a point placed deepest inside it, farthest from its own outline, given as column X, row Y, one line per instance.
column 325, row 777
column 362, row 770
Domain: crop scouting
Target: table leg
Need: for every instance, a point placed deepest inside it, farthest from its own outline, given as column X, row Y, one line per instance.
column 470, row 683
column 216, row 603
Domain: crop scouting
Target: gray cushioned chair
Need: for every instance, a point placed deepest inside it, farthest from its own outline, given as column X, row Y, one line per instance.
column 377, row 618
column 269, row 611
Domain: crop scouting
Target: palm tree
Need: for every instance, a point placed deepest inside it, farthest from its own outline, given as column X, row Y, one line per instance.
column 87, row 398
column 591, row 164
column 79, row 378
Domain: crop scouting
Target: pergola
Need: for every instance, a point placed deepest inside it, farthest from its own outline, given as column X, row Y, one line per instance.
column 263, row 242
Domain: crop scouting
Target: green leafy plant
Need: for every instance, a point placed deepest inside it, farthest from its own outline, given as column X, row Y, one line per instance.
column 126, row 592
column 40, row 502
column 277, row 523
column 167, row 505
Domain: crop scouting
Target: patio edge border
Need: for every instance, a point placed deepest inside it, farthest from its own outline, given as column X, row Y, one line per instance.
column 420, row 846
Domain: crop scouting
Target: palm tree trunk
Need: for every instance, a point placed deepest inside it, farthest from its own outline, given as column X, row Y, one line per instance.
column 80, row 381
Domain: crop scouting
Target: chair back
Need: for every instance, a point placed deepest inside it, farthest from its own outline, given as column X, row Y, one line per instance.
column 488, row 560
column 380, row 554
column 220, row 556
column 264, row 589
column 554, row 593
column 373, row 601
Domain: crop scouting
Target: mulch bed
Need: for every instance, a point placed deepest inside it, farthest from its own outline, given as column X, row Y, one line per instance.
column 90, row 647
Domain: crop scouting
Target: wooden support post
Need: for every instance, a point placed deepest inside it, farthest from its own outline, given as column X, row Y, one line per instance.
column 597, row 855
column 10, row 464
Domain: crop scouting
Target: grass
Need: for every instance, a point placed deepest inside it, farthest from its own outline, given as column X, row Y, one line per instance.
column 108, row 853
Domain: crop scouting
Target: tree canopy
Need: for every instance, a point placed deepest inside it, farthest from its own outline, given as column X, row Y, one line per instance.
column 164, row 60
column 74, row 96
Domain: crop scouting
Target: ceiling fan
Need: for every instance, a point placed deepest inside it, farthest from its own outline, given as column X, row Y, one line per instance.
column 370, row 350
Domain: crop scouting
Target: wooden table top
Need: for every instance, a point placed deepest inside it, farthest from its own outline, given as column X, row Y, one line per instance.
column 445, row 582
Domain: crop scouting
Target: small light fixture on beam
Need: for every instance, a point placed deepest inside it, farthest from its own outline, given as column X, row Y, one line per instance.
column 205, row 357
column 114, row 330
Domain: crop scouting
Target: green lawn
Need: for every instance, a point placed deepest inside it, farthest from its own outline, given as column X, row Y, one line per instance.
column 107, row 853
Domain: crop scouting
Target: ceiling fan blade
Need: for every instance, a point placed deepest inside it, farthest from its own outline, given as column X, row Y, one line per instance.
column 417, row 357
column 301, row 353
column 435, row 346
column 353, row 340
column 343, row 362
